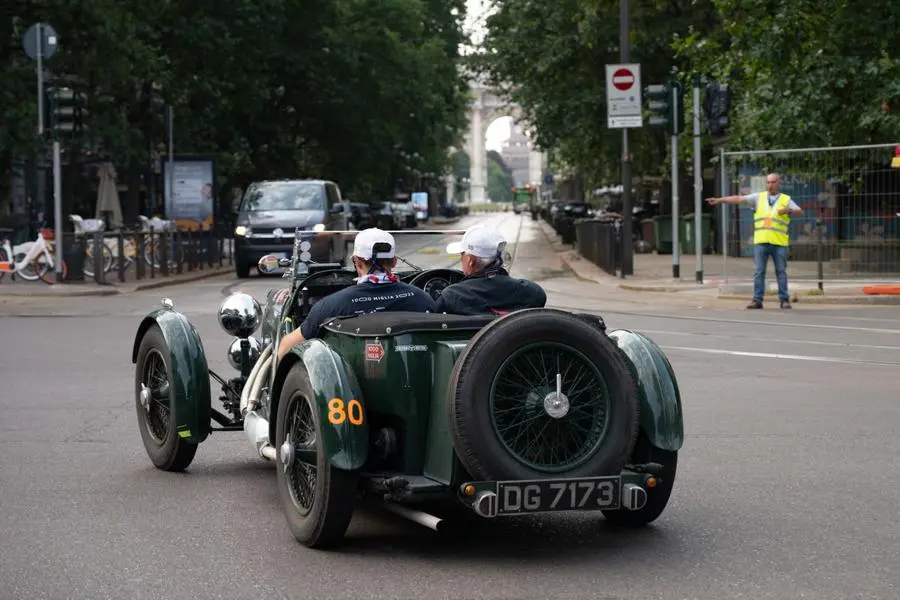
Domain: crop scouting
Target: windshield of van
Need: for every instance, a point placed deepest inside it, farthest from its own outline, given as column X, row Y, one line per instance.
column 284, row 195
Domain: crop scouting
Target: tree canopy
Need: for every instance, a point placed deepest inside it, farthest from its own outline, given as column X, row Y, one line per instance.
column 365, row 92
column 802, row 73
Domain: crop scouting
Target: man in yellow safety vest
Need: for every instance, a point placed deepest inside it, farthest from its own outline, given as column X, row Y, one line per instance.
column 770, row 235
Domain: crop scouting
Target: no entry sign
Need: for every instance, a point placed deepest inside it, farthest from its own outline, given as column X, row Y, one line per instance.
column 623, row 96
column 623, row 79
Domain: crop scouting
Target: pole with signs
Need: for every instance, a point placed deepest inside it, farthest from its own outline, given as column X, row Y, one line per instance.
column 623, row 111
column 66, row 115
column 698, row 182
column 676, row 251
column 628, row 224
column 39, row 42
column 667, row 110
column 170, row 205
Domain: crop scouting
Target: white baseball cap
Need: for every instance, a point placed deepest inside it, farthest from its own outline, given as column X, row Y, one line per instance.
column 364, row 244
column 479, row 241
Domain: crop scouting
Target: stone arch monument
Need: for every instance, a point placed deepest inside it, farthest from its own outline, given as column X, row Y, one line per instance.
column 485, row 107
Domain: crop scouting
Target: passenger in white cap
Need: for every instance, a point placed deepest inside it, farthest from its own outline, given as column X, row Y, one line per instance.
column 488, row 287
column 377, row 289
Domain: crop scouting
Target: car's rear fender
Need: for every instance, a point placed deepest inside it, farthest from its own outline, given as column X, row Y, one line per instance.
column 344, row 420
column 190, row 371
column 661, row 413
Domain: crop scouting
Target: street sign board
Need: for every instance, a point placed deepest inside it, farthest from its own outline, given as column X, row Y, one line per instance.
column 548, row 179
column 40, row 38
column 623, row 96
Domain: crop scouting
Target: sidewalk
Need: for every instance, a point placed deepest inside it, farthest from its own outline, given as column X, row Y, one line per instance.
column 20, row 289
column 653, row 273
column 40, row 289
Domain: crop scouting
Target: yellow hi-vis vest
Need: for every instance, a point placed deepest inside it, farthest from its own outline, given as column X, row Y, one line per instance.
column 768, row 226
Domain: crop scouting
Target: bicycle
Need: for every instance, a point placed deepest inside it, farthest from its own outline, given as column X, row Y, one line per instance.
column 109, row 249
column 36, row 263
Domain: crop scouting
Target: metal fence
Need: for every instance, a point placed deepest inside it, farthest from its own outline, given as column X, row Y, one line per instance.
column 850, row 196
column 104, row 257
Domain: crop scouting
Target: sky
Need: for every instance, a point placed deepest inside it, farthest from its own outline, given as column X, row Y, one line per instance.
column 498, row 131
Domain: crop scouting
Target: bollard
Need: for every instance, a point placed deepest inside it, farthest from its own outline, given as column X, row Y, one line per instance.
column 120, row 241
column 139, row 256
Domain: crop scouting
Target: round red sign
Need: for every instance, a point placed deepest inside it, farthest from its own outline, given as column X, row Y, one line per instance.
column 623, row 79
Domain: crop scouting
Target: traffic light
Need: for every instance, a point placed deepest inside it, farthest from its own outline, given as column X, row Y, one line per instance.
column 666, row 102
column 68, row 110
column 716, row 103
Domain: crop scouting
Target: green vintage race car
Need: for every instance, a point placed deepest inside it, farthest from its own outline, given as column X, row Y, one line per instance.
column 434, row 416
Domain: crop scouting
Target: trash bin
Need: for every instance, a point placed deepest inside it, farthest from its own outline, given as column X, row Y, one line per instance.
column 688, row 239
column 74, row 250
column 662, row 233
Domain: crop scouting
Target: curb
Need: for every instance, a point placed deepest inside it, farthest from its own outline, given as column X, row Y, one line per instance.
column 635, row 287
column 824, row 299
column 205, row 274
column 49, row 293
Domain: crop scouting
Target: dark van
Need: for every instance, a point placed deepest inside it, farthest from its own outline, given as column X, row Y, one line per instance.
column 270, row 211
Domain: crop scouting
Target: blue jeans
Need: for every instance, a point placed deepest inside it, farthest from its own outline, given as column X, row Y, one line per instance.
column 761, row 254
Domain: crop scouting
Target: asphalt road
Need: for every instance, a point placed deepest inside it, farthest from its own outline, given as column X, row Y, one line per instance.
column 787, row 487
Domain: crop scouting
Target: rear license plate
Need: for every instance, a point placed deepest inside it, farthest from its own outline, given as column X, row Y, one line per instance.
column 551, row 495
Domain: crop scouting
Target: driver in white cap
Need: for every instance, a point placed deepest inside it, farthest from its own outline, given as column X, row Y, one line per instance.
column 377, row 289
column 487, row 287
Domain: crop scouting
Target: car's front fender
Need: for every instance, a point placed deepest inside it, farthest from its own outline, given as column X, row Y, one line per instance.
column 344, row 421
column 190, row 371
column 661, row 413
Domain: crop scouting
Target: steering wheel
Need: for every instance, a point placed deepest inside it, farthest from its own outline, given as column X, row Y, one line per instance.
column 434, row 281
column 322, row 284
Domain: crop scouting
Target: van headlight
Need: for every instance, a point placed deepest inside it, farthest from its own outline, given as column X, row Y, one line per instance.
column 319, row 227
column 243, row 231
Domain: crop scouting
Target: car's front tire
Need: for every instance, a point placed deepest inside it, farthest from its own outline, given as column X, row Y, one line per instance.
column 155, row 404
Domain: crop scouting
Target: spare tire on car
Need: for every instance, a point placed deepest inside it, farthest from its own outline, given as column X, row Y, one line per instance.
column 543, row 393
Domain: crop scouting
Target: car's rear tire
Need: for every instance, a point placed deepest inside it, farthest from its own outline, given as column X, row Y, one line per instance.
column 318, row 517
column 489, row 391
column 658, row 496
column 156, row 407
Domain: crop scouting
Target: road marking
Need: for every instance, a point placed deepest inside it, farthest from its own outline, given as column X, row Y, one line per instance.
column 782, row 356
column 767, row 339
column 737, row 321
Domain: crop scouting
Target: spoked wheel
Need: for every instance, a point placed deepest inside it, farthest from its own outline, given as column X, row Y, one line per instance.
column 154, row 401
column 658, row 496
column 541, row 393
column 106, row 259
column 34, row 270
column 555, row 419
column 318, row 499
column 48, row 275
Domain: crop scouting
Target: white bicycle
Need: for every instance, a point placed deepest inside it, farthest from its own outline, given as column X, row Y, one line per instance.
column 30, row 261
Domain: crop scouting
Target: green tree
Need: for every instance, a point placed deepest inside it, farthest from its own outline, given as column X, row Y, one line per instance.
column 804, row 73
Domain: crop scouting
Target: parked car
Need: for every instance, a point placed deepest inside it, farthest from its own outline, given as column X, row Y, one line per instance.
column 387, row 215
column 270, row 212
column 362, row 216
column 407, row 213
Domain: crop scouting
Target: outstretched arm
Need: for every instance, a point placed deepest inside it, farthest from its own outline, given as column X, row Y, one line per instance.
column 727, row 200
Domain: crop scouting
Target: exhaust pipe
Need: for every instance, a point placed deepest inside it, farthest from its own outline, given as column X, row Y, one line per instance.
column 417, row 516
column 257, row 431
